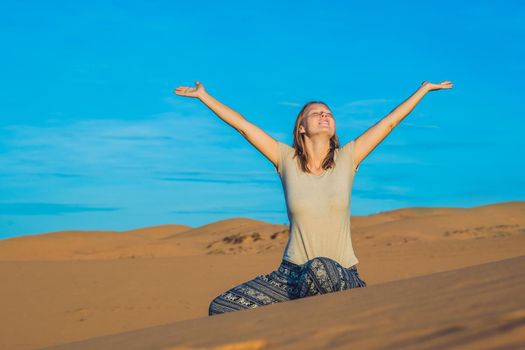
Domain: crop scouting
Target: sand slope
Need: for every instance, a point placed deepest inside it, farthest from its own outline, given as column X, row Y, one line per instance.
column 479, row 307
column 66, row 286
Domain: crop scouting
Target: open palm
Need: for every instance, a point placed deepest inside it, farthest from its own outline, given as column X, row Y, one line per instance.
column 443, row 85
column 190, row 91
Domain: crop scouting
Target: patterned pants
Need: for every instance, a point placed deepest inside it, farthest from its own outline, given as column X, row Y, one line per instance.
column 290, row 281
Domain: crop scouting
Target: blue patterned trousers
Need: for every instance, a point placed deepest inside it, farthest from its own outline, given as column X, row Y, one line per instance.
column 290, row 281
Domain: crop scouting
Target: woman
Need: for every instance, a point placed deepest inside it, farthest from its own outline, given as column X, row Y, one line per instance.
column 317, row 176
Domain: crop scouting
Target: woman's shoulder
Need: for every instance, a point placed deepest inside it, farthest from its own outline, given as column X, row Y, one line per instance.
column 347, row 152
column 348, row 145
column 347, row 148
column 285, row 147
column 285, row 152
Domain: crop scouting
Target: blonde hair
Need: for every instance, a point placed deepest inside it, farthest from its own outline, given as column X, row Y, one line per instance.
column 299, row 146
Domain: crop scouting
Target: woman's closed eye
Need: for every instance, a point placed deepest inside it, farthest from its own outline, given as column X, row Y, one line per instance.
column 317, row 114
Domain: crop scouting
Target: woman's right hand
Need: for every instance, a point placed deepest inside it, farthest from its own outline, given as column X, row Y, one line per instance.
column 190, row 91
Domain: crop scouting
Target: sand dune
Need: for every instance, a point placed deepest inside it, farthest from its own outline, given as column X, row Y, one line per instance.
column 488, row 312
column 165, row 241
column 67, row 286
column 247, row 236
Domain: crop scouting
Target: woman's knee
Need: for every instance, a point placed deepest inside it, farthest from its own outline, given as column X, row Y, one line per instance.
column 324, row 267
column 321, row 262
column 320, row 275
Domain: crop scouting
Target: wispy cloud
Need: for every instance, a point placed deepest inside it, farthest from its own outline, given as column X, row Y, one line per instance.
column 359, row 114
column 386, row 158
column 36, row 208
column 145, row 165
column 360, row 107
column 44, row 175
column 239, row 180
column 381, row 191
column 101, row 146
column 437, row 145
column 366, row 103
column 233, row 211
column 291, row 104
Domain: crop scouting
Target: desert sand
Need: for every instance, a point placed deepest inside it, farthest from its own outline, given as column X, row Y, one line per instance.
column 437, row 278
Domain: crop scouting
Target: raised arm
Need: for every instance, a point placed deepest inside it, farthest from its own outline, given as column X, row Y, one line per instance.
column 372, row 137
column 263, row 142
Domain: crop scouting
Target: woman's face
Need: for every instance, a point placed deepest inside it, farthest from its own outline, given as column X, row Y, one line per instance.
column 318, row 119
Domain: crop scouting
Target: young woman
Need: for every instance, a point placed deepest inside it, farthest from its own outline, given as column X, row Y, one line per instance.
column 317, row 176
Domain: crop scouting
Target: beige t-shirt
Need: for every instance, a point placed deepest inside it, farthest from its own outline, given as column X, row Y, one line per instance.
column 318, row 207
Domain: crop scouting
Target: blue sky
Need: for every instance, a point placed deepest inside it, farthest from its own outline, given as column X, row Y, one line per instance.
column 92, row 136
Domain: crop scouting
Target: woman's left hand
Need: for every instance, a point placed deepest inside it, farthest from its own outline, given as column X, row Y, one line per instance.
column 443, row 85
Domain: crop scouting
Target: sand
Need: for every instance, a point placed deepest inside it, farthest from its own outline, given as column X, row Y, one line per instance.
column 412, row 313
column 437, row 278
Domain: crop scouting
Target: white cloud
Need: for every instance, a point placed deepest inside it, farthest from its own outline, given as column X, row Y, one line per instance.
column 102, row 146
column 292, row 104
column 366, row 103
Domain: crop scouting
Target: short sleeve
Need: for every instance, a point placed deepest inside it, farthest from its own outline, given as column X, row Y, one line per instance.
column 284, row 151
column 349, row 151
column 352, row 156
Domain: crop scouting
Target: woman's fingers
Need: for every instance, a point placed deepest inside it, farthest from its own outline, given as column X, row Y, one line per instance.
column 185, row 91
column 189, row 90
column 447, row 84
